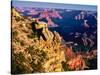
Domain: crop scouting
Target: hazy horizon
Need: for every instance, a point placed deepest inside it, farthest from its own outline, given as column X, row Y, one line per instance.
column 54, row 5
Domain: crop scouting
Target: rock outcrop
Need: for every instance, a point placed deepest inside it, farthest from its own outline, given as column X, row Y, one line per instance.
column 31, row 55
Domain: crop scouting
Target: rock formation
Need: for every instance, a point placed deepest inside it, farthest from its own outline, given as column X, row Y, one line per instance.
column 31, row 55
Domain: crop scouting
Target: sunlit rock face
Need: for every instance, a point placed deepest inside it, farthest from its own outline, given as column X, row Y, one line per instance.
column 77, row 63
column 32, row 55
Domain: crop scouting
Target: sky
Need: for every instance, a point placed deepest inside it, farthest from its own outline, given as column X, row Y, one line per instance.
column 53, row 5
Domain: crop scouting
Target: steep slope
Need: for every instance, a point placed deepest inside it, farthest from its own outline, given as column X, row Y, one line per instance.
column 30, row 54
